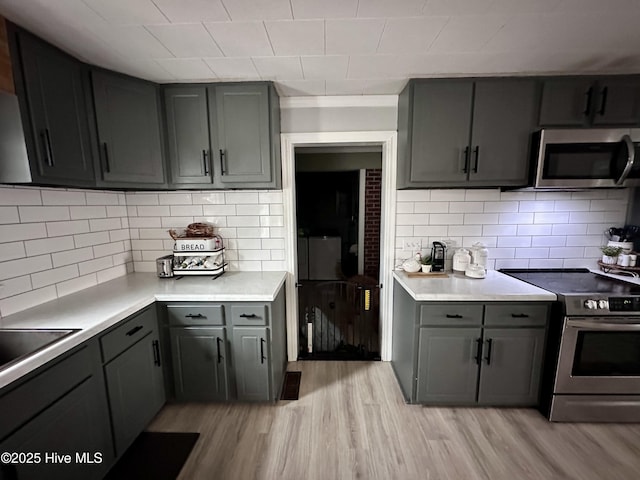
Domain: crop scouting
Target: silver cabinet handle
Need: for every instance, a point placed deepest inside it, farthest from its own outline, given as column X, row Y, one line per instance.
column 630, row 159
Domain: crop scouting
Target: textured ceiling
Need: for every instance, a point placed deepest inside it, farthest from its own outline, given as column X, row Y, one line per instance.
column 338, row 47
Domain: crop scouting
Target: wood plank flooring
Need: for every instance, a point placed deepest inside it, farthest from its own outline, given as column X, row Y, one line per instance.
column 351, row 422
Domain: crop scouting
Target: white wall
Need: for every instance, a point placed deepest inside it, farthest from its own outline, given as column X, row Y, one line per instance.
column 521, row 229
column 54, row 242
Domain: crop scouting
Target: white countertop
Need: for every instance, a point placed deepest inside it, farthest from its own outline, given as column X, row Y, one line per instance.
column 98, row 308
column 495, row 287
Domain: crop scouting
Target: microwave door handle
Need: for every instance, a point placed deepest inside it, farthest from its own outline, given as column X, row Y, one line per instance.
column 597, row 325
column 630, row 160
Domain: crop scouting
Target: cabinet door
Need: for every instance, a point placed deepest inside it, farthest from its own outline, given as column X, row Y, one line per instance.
column 136, row 390
column 251, row 363
column 440, row 133
column 199, row 358
column 512, row 362
column 77, row 424
column 447, row 365
column 242, row 136
column 567, row 102
column 618, row 102
column 188, row 134
column 503, row 119
column 54, row 91
column 128, row 129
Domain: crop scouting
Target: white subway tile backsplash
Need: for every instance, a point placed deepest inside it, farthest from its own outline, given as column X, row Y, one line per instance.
column 177, row 223
column 208, row 198
column 43, row 214
column 481, row 218
column 273, row 266
column 413, row 195
column 55, row 275
column 272, row 221
column 431, row 207
column 254, row 255
column 464, row 230
column 48, row 245
column 243, row 197
column 77, row 255
column 186, row 210
column 111, row 273
column 572, row 205
column 252, row 209
column 76, row 284
column 101, row 224
column 147, row 244
column 566, row 252
column 546, row 241
column 25, row 266
column 153, row 233
column 550, row 195
column 537, row 206
column 144, row 222
column 534, row 230
column 430, row 231
column 511, row 263
column 538, row 252
column 586, row 217
column 118, row 235
column 12, row 250
column 502, row 252
column 55, row 229
column 148, row 267
column 547, row 263
column 9, row 215
column 103, row 198
column 176, row 199
column 15, row 286
column 26, row 300
column 551, row 217
column 278, row 255
column 108, row 249
column 500, row 207
column 404, row 230
column 446, row 195
column 248, row 265
column 247, row 221
column 269, row 197
column 514, row 241
column 577, row 263
column 584, row 241
column 20, row 196
column 517, row 196
column 248, row 232
column 466, row 207
column 606, row 205
column 447, row 218
column 95, row 265
column 589, row 195
column 276, row 209
column 488, row 230
column 412, row 219
column 404, row 207
column 61, row 197
column 250, row 243
column 154, row 211
column 219, row 210
column 142, row 199
column 117, row 211
column 482, row 195
column 569, row 229
column 89, row 239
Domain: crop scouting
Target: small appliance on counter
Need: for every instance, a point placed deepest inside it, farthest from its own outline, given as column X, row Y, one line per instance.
column 198, row 251
column 164, row 266
column 437, row 256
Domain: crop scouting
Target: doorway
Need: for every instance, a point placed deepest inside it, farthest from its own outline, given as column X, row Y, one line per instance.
column 338, row 243
column 290, row 144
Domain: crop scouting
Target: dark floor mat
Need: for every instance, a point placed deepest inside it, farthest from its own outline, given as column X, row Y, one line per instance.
column 156, row 455
column 291, row 387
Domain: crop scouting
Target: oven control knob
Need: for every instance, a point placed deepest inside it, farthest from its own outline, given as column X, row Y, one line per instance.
column 603, row 304
column 591, row 304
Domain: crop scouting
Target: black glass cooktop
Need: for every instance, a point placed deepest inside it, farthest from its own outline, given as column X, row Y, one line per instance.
column 577, row 281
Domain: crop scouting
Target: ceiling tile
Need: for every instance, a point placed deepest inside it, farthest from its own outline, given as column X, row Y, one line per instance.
column 233, row 68
column 525, row 6
column 353, row 37
column 410, row 35
column 279, row 68
column 571, row 6
column 241, row 39
column 127, row 12
column 187, row 68
column 467, row 33
column 131, row 41
column 386, row 8
column 185, row 11
column 143, row 68
column 324, row 8
column 345, row 87
column 296, row 88
column 316, row 67
column 372, row 66
column 258, row 9
column 296, row 37
column 391, row 86
column 186, row 40
column 458, row 7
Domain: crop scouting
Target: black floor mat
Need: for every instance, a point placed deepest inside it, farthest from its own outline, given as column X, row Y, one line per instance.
column 291, row 387
column 156, row 455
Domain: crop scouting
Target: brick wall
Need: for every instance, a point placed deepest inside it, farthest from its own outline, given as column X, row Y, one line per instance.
column 373, row 186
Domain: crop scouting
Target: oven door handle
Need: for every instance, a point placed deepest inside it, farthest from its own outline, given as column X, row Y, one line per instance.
column 626, row 139
column 603, row 325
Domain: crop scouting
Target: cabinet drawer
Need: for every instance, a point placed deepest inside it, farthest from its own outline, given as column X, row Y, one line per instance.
column 451, row 314
column 196, row 314
column 33, row 396
column 516, row 315
column 132, row 330
column 249, row 314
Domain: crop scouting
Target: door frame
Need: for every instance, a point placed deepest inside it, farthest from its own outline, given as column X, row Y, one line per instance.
column 388, row 141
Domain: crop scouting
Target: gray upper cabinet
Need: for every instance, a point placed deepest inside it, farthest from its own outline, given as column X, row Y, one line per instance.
column 128, row 131
column 188, row 135
column 447, row 365
column 199, row 356
column 51, row 87
column 223, row 136
column 458, row 133
column 590, row 101
column 242, row 134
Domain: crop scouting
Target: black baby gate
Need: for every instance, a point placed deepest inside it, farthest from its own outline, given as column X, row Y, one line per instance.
column 339, row 320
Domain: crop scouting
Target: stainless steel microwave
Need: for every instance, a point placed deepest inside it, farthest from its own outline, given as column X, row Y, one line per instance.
column 586, row 158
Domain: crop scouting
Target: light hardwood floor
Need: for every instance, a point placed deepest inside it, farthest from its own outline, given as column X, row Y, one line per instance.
column 351, row 422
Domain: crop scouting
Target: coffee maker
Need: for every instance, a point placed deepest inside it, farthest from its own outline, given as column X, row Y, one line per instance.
column 437, row 256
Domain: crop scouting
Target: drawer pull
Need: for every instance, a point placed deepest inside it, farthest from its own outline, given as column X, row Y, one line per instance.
column 454, row 316
column 134, row 330
column 197, row 315
column 248, row 315
column 519, row 315
column 156, row 353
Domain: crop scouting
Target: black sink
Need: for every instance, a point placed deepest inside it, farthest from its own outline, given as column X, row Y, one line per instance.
column 17, row 344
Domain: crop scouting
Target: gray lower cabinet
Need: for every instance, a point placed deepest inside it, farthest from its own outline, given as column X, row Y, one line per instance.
column 223, row 135
column 468, row 353
column 199, row 358
column 133, row 375
column 252, row 363
column 127, row 112
column 465, row 132
column 61, row 409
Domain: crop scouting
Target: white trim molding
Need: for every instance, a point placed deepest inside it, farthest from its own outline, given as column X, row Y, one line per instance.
column 340, row 101
column 388, row 140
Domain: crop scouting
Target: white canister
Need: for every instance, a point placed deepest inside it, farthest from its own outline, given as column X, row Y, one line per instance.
column 623, row 260
column 479, row 254
column 461, row 260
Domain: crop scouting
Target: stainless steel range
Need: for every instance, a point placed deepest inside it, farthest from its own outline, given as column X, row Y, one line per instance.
column 592, row 371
